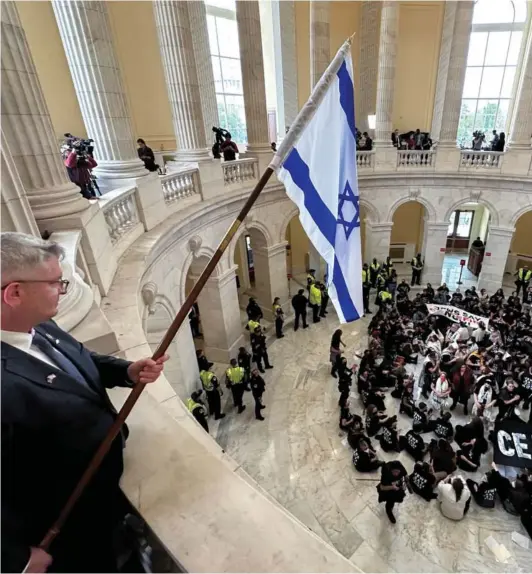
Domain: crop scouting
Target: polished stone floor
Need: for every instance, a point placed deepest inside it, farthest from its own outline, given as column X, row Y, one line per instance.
column 300, row 457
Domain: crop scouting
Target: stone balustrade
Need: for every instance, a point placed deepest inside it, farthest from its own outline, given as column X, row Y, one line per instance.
column 180, row 185
column 240, row 171
column 486, row 159
column 120, row 212
column 416, row 158
column 365, row 159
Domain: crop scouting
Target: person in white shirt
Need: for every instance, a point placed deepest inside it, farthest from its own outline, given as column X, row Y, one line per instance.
column 479, row 333
column 454, row 497
column 462, row 335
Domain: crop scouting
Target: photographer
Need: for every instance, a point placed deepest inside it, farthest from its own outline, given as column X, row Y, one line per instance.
column 79, row 163
column 146, row 155
column 229, row 148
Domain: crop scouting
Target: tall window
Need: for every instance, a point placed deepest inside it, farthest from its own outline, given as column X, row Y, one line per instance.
column 494, row 47
column 460, row 224
column 225, row 55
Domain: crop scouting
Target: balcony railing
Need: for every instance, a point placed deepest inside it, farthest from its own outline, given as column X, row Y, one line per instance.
column 180, row 185
column 120, row 212
column 240, row 171
column 416, row 158
column 365, row 159
column 486, row 159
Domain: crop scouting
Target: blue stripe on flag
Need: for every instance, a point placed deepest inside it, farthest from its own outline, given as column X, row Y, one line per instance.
column 344, row 298
column 318, row 210
column 347, row 96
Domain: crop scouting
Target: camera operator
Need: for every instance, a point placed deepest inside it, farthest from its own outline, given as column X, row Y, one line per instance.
column 224, row 144
column 79, row 163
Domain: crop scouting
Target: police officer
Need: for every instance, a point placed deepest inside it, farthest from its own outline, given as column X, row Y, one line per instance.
column 374, row 269
column 380, row 282
column 203, row 363
column 324, row 300
column 244, row 361
column 311, row 278
column 252, row 324
column 366, row 288
column 279, row 317
column 259, row 349
column 315, row 301
column 403, row 287
column 385, row 298
column 211, row 387
column 253, row 310
column 299, row 303
column 417, row 266
column 235, row 382
column 387, row 267
column 197, row 408
column 257, row 388
column 524, row 274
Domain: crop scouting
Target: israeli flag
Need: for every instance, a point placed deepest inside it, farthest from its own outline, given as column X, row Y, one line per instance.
column 318, row 168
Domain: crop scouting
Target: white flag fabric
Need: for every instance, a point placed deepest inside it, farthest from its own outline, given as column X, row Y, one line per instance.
column 320, row 177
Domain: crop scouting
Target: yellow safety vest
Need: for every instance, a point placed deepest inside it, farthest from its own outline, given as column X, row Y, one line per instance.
column 276, row 310
column 310, row 279
column 522, row 277
column 252, row 325
column 315, row 295
column 380, row 279
column 192, row 404
column 417, row 263
column 384, row 296
column 364, row 276
column 235, row 374
column 206, row 380
column 374, row 266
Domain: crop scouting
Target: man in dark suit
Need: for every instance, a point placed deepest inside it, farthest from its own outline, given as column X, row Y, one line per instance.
column 55, row 414
column 299, row 303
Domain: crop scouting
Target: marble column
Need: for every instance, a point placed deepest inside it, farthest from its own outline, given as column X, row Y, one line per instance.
column 448, row 155
column 447, row 34
column 433, row 251
column 85, row 30
column 202, row 56
column 251, row 60
column 220, row 316
column 495, row 257
column 320, row 49
column 271, row 277
column 177, row 51
column 16, row 211
column 377, row 241
column 27, row 129
column 369, row 62
column 517, row 159
column 241, row 258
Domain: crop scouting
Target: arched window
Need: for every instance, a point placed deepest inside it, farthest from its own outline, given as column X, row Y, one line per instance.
column 225, row 56
column 494, row 47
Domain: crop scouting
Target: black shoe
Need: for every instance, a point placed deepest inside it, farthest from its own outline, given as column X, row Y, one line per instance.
column 222, row 416
column 322, row 316
column 261, row 418
column 452, row 407
column 391, row 516
column 263, row 406
column 317, row 320
column 305, row 326
column 334, row 375
column 368, row 312
column 262, row 370
column 296, row 328
column 269, row 367
column 241, row 409
column 280, row 336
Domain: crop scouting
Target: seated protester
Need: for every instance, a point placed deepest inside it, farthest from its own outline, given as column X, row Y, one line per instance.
column 414, row 445
column 375, row 397
column 454, row 497
column 420, row 422
column 509, row 398
column 430, row 292
column 525, row 388
column 374, row 420
column 356, row 433
column 346, row 418
column 365, row 459
column 422, row 481
column 515, row 498
column 389, row 439
column 484, row 493
column 407, row 405
column 442, row 458
column 442, row 427
column 344, row 386
column 469, row 433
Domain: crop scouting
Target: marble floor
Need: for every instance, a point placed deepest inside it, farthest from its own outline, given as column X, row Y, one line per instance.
column 300, row 457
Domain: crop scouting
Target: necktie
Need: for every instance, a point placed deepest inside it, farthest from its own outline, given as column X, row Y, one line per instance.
column 63, row 362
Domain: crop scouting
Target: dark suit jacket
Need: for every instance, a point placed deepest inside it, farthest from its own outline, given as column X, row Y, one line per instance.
column 51, row 427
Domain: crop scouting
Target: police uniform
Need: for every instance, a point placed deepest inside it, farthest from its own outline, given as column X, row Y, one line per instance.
column 244, row 361
column 210, row 386
column 384, row 298
column 279, row 320
column 315, row 301
column 374, row 269
column 257, row 389
column 199, row 412
column 235, row 381
column 523, row 280
column 324, row 301
column 379, row 283
column 417, row 266
column 260, row 352
column 366, row 286
column 252, row 325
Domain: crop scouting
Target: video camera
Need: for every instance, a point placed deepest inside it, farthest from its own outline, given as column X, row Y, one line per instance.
column 80, row 145
column 219, row 135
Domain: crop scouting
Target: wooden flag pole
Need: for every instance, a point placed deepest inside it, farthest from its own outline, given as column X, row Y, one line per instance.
column 160, row 351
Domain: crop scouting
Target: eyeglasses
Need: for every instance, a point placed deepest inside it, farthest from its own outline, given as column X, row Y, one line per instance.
column 63, row 283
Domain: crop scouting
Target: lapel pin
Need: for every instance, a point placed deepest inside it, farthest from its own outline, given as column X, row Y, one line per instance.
column 50, row 379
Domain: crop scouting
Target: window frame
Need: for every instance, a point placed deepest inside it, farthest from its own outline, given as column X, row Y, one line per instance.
column 456, row 213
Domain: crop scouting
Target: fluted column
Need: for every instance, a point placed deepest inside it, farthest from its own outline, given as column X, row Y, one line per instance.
column 85, row 31
column 386, row 72
column 249, row 37
column 522, row 125
column 369, row 62
column 28, row 129
column 456, row 73
column 175, row 40
column 202, row 54
column 320, row 50
column 443, row 68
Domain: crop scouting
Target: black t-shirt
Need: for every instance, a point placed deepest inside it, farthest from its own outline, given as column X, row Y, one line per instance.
column 421, row 480
column 485, row 495
column 372, row 425
column 420, row 417
column 443, row 428
column 526, row 381
column 387, row 478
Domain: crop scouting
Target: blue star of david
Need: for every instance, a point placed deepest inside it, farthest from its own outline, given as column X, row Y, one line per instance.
column 348, row 210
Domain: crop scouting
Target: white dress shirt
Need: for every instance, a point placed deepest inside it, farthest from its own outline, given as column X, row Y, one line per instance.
column 23, row 342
